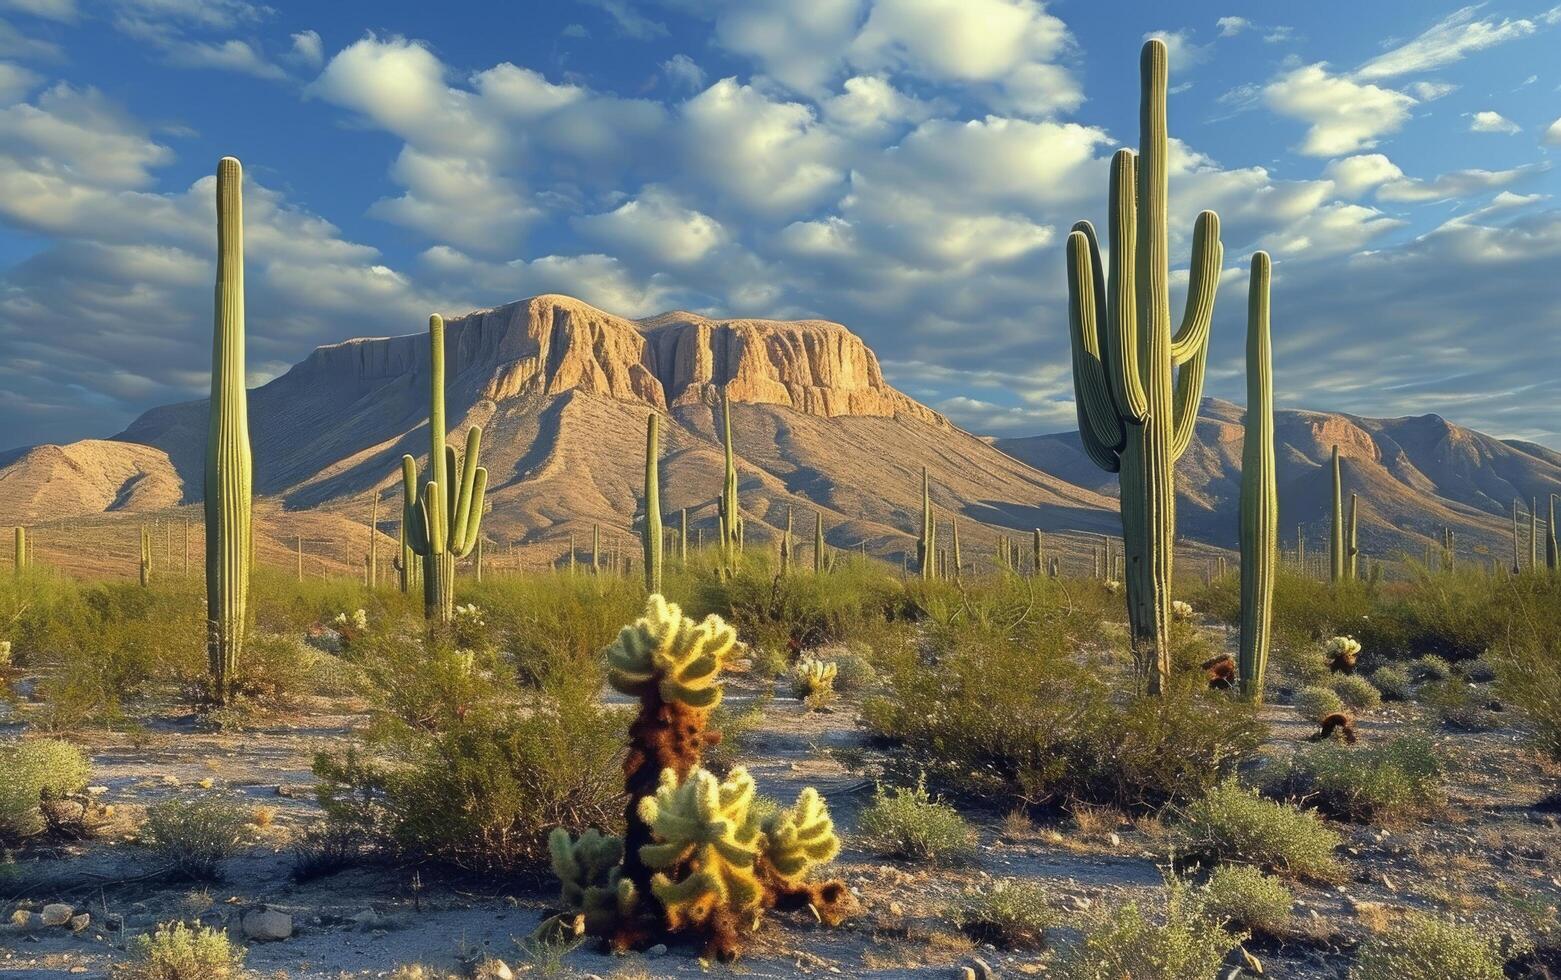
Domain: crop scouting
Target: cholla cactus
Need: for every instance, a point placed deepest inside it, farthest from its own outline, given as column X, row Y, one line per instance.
column 469, row 615
column 669, row 652
column 705, row 835
column 1181, row 610
column 594, row 895
column 813, row 680
column 1342, row 651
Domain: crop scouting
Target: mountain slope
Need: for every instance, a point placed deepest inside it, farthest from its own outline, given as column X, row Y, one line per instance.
column 1414, row 476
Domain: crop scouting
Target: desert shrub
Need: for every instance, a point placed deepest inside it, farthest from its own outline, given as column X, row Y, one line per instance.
column 1357, row 693
column 1306, row 610
column 1480, row 670
column 1430, row 667
column 1236, row 825
column 854, row 671
column 551, row 626
column 1128, row 942
column 1391, row 682
column 798, row 612
column 1008, row 710
column 34, row 772
column 1316, row 703
column 194, row 836
column 1384, row 781
column 483, row 792
column 1426, row 947
column 326, row 849
column 1528, row 677
column 177, row 952
column 907, row 822
column 1248, row 899
column 429, row 683
column 1458, row 703
column 1012, row 913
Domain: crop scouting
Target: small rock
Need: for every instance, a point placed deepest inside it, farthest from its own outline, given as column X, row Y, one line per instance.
column 660, row 949
column 1115, row 840
column 80, row 922
column 267, row 925
column 982, row 969
column 96, row 790
column 57, row 914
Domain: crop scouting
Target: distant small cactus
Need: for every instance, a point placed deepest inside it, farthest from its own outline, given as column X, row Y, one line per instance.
column 813, row 681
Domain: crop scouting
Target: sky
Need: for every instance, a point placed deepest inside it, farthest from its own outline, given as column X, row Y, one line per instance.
column 909, row 168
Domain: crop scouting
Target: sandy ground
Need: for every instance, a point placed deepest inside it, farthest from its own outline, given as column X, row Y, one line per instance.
column 1491, row 854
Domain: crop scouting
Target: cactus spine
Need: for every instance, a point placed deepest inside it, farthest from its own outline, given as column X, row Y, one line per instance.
column 650, row 532
column 444, row 519
column 926, row 546
column 1131, row 419
column 730, row 509
column 1259, row 492
column 229, row 471
column 146, row 556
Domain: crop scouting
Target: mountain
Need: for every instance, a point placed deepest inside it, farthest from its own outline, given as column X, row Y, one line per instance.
column 1414, row 477
column 562, row 391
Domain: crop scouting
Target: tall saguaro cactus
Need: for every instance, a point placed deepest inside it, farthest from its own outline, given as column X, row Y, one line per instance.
column 1533, row 533
column 1137, row 385
column 229, row 469
column 20, row 557
column 650, row 532
column 146, row 556
column 1352, row 541
column 818, row 542
column 1259, row 490
column 1517, row 561
column 1337, row 567
column 1552, row 553
column 730, row 509
column 444, row 519
column 372, row 570
column 927, row 545
column 954, row 553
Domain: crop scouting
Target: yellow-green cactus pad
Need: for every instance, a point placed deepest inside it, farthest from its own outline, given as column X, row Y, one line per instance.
column 705, row 833
column 665, row 649
column 798, row 839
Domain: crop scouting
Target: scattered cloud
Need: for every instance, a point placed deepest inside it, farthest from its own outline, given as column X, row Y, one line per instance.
column 1445, row 42
column 60, row 10
column 1431, row 91
column 628, row 21
column 683, row 73
column 1487, row 121
column 1343, row 115
column 1553, row 134
column 1231, row 26
column 308, row 50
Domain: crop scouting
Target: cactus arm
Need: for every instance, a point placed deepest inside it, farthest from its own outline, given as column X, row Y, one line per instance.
column 1188, row 397
column 1100, row 427
column 1122, row 305
column 1152, row 255
column 1207, row 255
column 433, row 517
column 472, row 536
column 414, row 527
column 462, row 504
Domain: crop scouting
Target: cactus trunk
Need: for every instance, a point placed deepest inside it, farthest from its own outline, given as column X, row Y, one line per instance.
column 926, row 546
column 1337, row 572
column 146, row 557
column 229, row 471
column 730, row 508
column 818, row 542
column 1552, row 554
column 1533, row 533
column 650, row 532
column 1259, row 492
column 1352, row 543
column 954, row 551
column 1137, row 386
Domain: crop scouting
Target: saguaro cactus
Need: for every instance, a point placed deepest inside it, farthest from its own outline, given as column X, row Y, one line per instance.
column 146, row 556
column 787, row 544
column 1037, row 555
column 927, row 545
column 1552, row 554
column 730, row 509
column 1352, row 541
column 1131, row 419
column 683, row 536
column 954, row 552
column 818, row 542
column 1338, row 569
column 1259, row 491
column 372, row 568
column 1533, row 533
column 1517, row 561
column 650, row 531
column 20, row 557
column 444, row 520
column 229, row 470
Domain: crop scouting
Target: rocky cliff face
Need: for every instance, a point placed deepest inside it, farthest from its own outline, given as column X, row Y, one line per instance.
column 551, row 344
column 92, row 476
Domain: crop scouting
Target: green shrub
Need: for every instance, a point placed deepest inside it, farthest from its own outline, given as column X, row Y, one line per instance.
column 909, row 823
column 1385, row 781
column 1528, row 678
column 1392, row 683
column 1236, row 825
column 484, row 791
column 1013, row 914
column 194, row 836
column 1012, row 710
column 1430, row 667
column 177, row 952
column 32, row 773
column 1426, row 947
column 1357, row 693
column 1316, row 703
column 1460, row 704
column 855, row 672
column 1127, row 942
column 431, row 684
column 1480, row 670
column 1248, row 899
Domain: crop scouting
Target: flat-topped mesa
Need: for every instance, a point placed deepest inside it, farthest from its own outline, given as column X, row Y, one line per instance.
column 551, row 344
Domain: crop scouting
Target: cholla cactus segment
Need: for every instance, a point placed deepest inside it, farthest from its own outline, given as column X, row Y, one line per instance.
column 669, row 651
column 812, row 676
column 797, row 840
column 591, row 882
column 1181, row 610
column 1348, row 646
column 705, row 831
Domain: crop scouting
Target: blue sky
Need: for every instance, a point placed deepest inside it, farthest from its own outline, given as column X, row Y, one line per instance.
column 907, row 167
